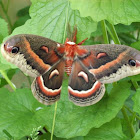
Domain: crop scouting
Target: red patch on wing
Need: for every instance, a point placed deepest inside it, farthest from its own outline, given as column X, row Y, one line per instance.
column 100, row 55
column 89, row 60
column 108, row 65
column 45, row 49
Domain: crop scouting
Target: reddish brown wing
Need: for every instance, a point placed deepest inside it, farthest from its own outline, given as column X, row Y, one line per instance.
column 47, row 87
column 39, row 57
column 109, row 63
column 84, row 89
column 35, row 54
column 100, row 64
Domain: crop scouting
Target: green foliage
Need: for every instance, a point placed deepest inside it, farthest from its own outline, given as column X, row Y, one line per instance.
column 3, row 29
column 53, row 17
column 23, row 15
column 82, row 117
column 136, row 45
column 114, row 11
column 115, row 117
column 107, row 132
column 20, row 112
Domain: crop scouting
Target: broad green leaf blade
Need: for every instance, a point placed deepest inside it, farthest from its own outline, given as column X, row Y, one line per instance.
column 137, row 136
column 3, row 29
column 120, row 28
column 4, row 65
column 20, row 112
column 136, row 108
column 72, row 121
column 10, row 73
column 3, row 138
column 109, row 131
column 136, row 45
column 115, row 11
column 50, row 19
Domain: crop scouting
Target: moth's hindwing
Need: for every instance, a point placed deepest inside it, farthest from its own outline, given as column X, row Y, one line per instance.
column 84, row 89
column 47, row 88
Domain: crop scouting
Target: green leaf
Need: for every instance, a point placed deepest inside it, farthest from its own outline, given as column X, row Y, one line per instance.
column 20, row 112
column 50, row 19
column 3, row 29
column 48, row 136
column 4, row 64
column 136, row 100
column 108, row 131
column 125, row 128
column 72, row 121
column 136, row 45
column 23, row 12
column 137, row 136
column 115, row 11
column 4, row 138
column 10, row 73
column 135, row 78
column 120, row 28
column 21, row 21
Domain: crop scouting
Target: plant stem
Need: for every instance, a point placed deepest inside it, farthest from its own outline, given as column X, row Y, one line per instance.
column 132, row 131
column 135, row 84
column 105, row 36
column 66, row 22
column 113, row 32
column 55, row 109
column 7, row 79
column 110, row 33
column 8, row 19
column 132, row 112
column 8, row 134
column 64, row 36
column 7, row 6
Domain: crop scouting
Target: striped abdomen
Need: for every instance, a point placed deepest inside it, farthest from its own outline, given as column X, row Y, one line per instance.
column 68, row 67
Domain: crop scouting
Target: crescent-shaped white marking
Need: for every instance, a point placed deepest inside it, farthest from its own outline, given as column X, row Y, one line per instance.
column 54, row 72
column 84, row 75
column 47, row 89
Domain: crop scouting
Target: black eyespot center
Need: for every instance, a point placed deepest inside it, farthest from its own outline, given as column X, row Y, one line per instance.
column 132, row 62
column 15, row 50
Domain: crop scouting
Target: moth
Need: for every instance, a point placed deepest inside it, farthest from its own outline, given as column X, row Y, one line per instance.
column 89, row 67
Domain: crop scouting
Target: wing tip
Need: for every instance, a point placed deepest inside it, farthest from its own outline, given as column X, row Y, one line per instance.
column 42, row 98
